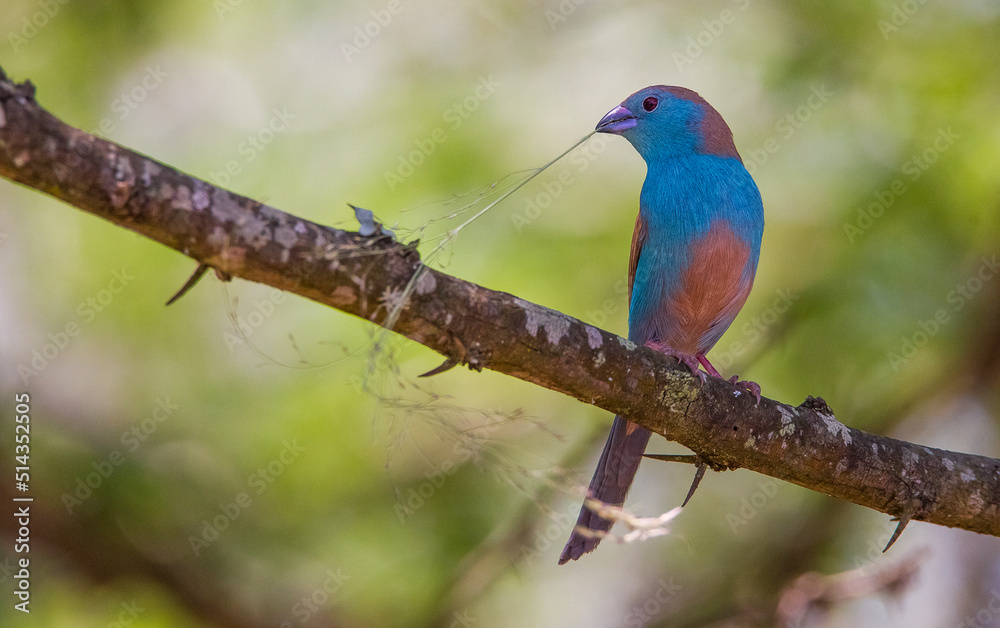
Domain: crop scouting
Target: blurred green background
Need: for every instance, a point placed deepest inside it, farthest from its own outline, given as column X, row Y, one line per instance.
column 242, row 459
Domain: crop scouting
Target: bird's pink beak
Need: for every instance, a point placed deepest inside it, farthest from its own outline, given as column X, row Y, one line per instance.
column 617, row 121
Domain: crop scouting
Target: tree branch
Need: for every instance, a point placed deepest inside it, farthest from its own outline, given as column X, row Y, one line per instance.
column 482, row 328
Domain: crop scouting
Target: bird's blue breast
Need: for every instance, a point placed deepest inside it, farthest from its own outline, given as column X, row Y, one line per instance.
column 682, row 199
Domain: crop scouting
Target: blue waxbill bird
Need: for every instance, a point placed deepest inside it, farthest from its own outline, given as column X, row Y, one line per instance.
column 694, row 256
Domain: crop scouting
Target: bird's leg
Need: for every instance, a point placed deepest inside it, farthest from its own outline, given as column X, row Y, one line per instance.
column 708, row 366
column 687, row 359
column 692, row 362
column 752, row 388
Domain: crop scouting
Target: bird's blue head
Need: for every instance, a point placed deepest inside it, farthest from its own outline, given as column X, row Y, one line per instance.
column 663, row 122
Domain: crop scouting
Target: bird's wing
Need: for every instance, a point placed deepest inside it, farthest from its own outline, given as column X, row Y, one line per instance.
column 638, row 240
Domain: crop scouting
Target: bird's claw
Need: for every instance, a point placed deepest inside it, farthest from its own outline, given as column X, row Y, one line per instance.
column 691, row 362
column 752, row 388
column 695, row 362
column 688, row 360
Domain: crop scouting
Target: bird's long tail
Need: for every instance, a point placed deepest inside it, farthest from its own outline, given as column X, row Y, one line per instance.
column 610, row 484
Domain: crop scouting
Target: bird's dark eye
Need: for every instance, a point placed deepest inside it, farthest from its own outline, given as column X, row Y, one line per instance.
column 650, row 103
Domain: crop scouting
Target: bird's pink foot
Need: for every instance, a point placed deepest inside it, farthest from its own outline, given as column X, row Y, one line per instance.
column 688, row 360
column 752, row 388
column 693, row 362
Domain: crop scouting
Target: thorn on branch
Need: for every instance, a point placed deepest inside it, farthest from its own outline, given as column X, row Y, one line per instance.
column 447, row 365
column 695, row 459
column 685, row 458
column 700, row 466
column 192, row 280
column 195, row 277
column 699, row 473
column 903, row 520
column 459, row 355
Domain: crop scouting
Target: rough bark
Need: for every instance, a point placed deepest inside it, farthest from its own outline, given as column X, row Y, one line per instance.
column 482, row 328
